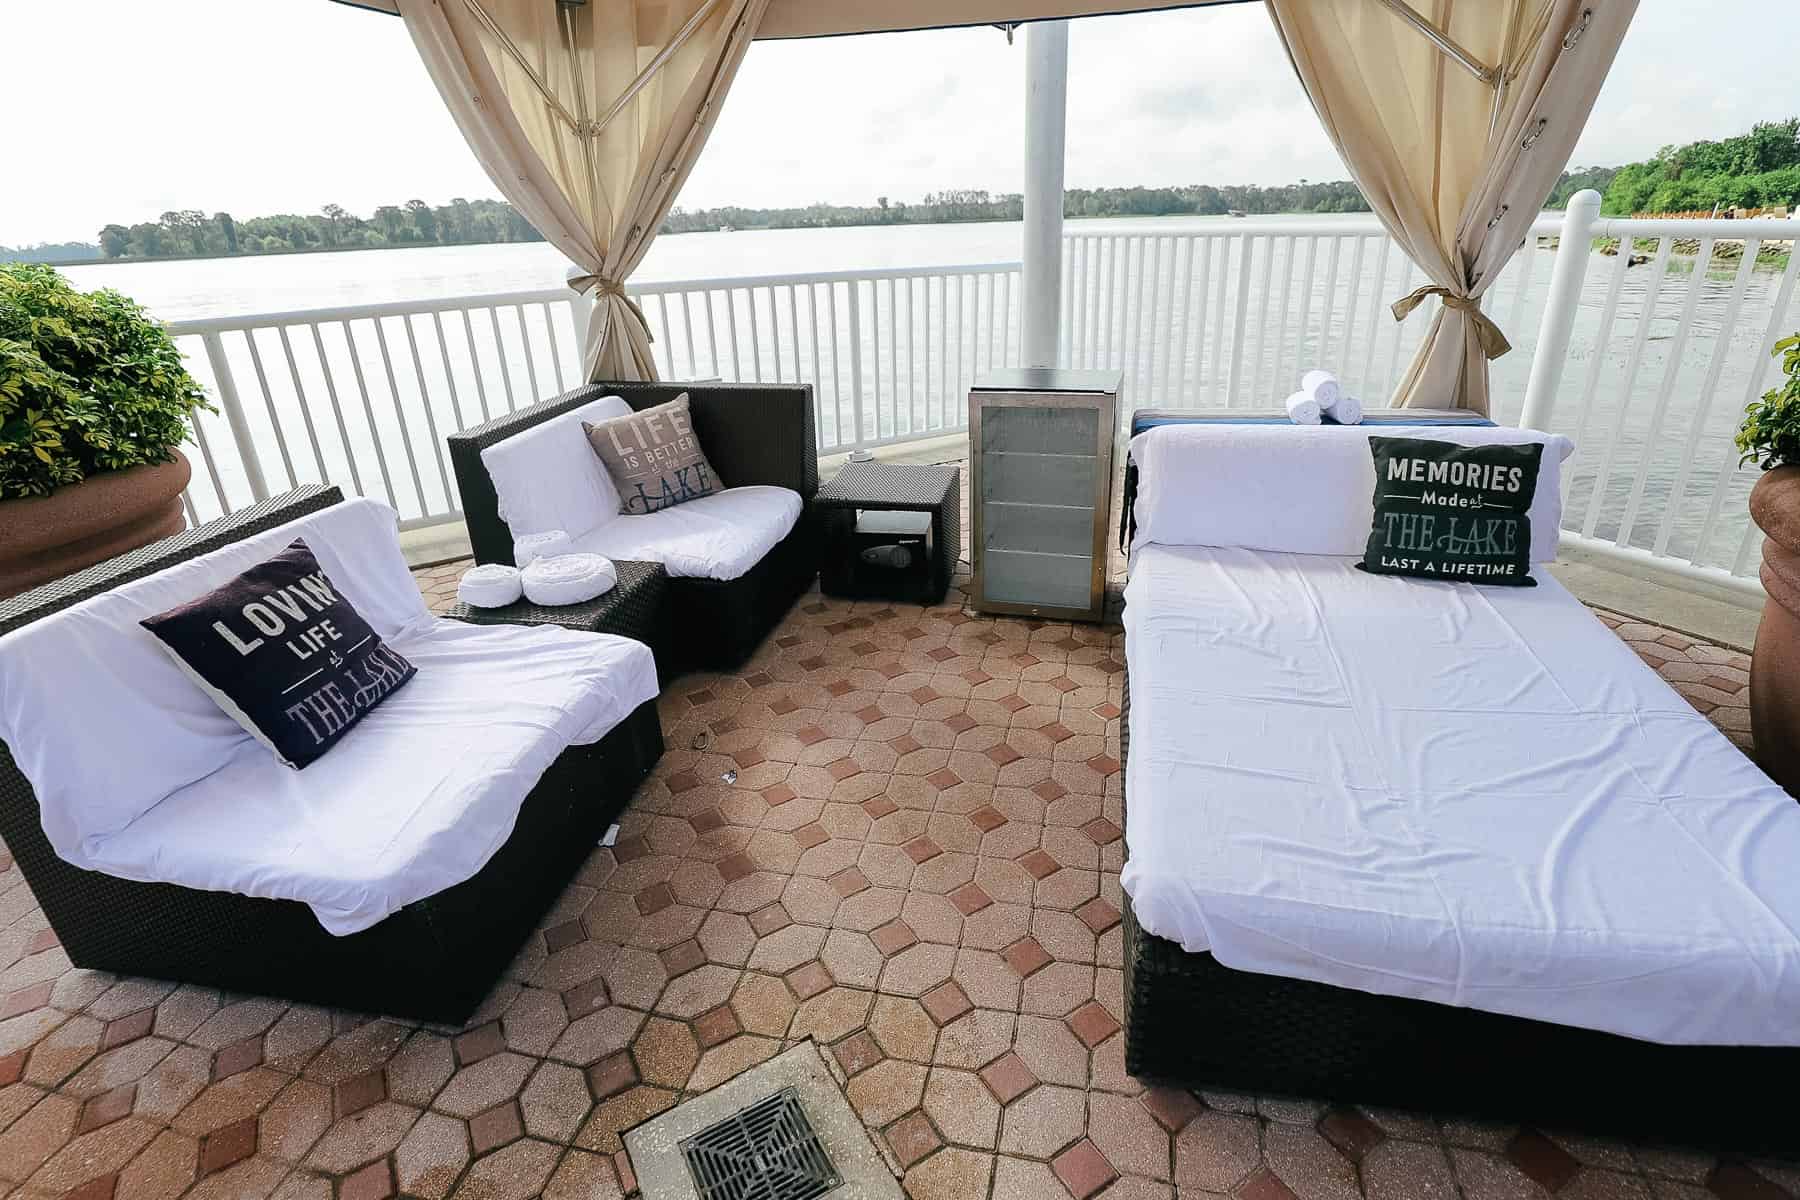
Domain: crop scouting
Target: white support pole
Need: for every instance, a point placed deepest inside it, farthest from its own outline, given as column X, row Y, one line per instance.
column 1046, row 117
column 1566, row 278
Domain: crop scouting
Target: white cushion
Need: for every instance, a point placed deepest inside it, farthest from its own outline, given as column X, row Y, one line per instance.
column 714, row 537
column 415, row 799
column 549, row 477
column 1300, row 489
column 102, row 721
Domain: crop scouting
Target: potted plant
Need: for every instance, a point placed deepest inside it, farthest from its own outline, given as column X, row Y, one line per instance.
column 1770, row 437
column 94, row 401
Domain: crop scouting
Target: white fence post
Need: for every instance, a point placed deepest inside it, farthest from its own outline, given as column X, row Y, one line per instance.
column 856, row 372
column 233, row 409
column 1560, row 306
column 581, row 311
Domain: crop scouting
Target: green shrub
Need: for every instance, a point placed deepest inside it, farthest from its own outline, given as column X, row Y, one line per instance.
column 89, row 382
column 1770, row 434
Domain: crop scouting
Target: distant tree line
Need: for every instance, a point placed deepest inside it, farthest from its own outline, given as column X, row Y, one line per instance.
column 948, row 207
column 1758, row 169
column 191, row 233
column 51, row 252
column 415, row 223
column 1754, row 170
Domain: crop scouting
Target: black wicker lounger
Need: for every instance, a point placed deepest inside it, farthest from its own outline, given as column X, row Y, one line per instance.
column 752, row 434
column 433, row 960
column 1190, row 1019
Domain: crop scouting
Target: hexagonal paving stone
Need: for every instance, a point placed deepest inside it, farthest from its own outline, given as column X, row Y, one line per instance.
column 962, row 1108
column 1216, row 1152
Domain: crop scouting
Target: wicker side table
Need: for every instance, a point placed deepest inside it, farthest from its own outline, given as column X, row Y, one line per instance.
column 634, row 608
column 890, row 487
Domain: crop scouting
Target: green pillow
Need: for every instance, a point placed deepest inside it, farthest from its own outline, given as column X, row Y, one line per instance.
column 1460, row 513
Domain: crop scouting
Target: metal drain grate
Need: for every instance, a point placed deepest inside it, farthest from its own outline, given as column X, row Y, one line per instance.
column 767, row 1151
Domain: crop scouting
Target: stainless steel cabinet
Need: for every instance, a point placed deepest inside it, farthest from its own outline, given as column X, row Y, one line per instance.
column 1041, row 444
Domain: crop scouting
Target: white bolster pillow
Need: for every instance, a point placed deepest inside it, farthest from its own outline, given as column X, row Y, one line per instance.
column 568, row 579
column 540, row 545
column 493, row 585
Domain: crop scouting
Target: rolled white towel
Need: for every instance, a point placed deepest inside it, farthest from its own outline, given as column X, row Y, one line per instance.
column 1323, row 387
column 568, row 579
column 1302, row 409
column 1347, row 411
column 493, row 585
column 539, row 545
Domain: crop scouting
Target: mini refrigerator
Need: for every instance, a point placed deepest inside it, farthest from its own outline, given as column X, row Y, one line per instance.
column 1040, row 451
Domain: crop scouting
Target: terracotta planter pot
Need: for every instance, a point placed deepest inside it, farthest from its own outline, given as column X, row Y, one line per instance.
column 46, row 537
column 1775, row 664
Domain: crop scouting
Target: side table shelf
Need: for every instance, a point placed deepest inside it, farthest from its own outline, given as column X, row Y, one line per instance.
column 864, row 488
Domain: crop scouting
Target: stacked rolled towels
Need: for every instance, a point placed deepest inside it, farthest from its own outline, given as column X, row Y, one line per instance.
column 568, row 579
column 1321, row 396
column 540, row 545
column 492, row 585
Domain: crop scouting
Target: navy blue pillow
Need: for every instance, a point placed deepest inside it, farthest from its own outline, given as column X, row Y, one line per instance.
column 284, row 654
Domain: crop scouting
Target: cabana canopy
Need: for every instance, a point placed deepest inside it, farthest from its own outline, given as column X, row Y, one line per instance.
column 830, row 18
column 1454, row 120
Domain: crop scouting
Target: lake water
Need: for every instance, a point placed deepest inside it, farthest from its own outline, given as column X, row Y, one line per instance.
column 1131, row 309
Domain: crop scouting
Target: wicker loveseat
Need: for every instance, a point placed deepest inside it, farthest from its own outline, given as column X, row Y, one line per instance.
column 433, row 959
column 754, row 434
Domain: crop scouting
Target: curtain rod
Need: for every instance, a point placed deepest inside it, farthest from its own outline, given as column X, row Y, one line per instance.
column 1443, row 41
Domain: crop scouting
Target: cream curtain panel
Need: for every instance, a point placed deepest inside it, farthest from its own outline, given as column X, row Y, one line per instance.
column 1455, row 118
column 588, row 118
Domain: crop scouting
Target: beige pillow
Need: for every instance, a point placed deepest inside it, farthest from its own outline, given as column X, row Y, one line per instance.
column 653, row 457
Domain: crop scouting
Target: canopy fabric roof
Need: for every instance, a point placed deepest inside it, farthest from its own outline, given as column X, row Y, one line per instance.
column 827, row 18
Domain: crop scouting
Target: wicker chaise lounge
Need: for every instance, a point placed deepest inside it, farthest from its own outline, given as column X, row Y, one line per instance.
column 753, row 434
column 1469, row 855
column 434, row 959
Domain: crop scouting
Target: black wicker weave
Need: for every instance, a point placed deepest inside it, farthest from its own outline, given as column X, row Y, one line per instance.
column 752, row 434
column 1192, row 1020
column 892, row 487
column 433, row 960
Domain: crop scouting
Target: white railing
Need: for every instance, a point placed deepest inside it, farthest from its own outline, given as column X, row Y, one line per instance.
column 365, row 396
column 1667, row 356
column 1668, row 351
column 1649, row 364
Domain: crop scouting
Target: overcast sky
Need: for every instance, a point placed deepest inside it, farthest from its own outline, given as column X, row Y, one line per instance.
column 120, row 109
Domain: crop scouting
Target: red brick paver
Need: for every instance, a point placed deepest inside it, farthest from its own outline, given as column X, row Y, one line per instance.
column 880, row 877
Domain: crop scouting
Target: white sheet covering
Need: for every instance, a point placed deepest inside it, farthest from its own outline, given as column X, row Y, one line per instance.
column 548, row 476
column 139, row 774
column 103, row 743
column 715, row 537
column 1476, row 796
column 416, row 798
column 1304, row 489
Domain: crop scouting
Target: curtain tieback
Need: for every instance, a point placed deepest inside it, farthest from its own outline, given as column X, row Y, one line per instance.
column 611, row 287
column 1493, row 342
